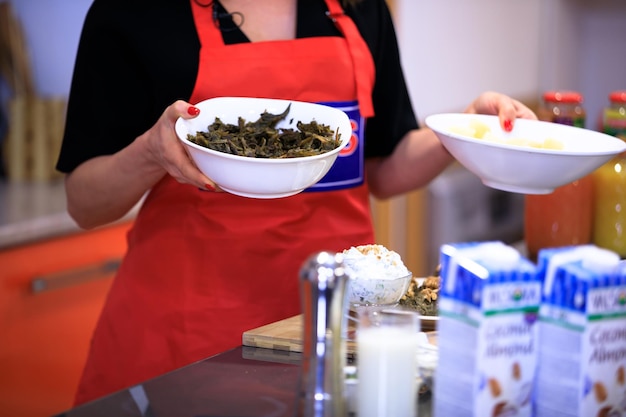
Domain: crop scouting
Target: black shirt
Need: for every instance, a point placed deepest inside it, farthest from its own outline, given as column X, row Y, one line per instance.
column 136, row 58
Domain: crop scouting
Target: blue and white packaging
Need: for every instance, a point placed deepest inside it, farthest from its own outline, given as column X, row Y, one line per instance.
column 582, row 328
column 487, row 333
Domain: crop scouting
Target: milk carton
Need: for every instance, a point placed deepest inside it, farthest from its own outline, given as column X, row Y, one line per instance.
column 582, row 328
column 487, row 332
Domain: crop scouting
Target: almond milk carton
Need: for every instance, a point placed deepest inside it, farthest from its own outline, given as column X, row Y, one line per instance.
column 582, row 329
column 487, row 332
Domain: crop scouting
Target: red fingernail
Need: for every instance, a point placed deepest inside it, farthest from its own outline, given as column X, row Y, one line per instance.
column 209, row 187
column 193, row 111
column 508, row 125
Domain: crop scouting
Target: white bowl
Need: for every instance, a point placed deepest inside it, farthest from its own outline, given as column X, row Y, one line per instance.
column 524, row 169
column 381, row 292
column 262, row 177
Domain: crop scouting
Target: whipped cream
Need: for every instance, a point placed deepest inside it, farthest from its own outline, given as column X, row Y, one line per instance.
column 374, row 262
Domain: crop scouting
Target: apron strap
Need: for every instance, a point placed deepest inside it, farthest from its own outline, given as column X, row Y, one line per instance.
column 361, row 57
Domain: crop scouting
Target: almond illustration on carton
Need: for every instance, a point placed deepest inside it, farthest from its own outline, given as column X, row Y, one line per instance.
column 504, row 409
column 517, row 371
column 608, row 411
column 600, row 392
column 621, row 375
column 494, row 387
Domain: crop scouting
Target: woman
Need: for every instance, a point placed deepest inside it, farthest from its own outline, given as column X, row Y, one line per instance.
column 203, row 266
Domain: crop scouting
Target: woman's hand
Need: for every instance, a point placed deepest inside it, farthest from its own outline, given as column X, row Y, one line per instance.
column 105, row 188
column 166, row 150
column 505, row 107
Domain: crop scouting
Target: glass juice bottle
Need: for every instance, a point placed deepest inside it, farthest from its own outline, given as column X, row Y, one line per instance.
column 609, row 223
column 565, row 216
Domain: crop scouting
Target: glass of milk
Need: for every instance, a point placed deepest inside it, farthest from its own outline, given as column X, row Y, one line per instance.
column 387, row 347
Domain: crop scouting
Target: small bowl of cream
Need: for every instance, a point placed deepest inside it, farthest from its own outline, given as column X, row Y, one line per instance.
column 378, row 277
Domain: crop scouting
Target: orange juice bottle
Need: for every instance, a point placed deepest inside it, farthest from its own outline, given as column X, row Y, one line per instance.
column 609, row 225
column 565, row 216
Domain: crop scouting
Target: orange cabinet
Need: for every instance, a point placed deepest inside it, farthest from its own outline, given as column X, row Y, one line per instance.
column 51, row 293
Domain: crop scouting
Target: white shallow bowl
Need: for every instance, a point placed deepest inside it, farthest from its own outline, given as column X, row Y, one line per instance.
column 262, row 177
column 524, row 169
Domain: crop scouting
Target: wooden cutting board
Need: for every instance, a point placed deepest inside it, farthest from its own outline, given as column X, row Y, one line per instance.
column 286, row 335
column 281, row 335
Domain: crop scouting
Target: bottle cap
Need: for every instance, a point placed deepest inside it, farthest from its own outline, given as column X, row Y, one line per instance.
column 618, row 96
column 573, row 97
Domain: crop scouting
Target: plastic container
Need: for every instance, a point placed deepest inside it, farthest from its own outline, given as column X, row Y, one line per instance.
column 564, row 217
column 609, row 224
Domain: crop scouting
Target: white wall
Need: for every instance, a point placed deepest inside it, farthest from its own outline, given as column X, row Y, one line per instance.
column 52, row 30
column 452, row 50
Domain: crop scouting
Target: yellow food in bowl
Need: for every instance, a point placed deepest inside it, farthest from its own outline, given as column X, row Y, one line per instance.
column 478, row 130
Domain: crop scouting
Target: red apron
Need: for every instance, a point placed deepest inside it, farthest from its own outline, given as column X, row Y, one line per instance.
column 203, row 267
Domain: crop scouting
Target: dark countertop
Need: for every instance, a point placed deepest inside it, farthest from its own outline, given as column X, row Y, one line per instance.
column 243, row 382
column 32, row 211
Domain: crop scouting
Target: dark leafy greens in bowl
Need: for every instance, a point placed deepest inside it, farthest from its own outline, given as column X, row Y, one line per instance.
column 262, row 139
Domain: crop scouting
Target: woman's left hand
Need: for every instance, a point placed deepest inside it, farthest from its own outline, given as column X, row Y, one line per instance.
column 507, row 108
